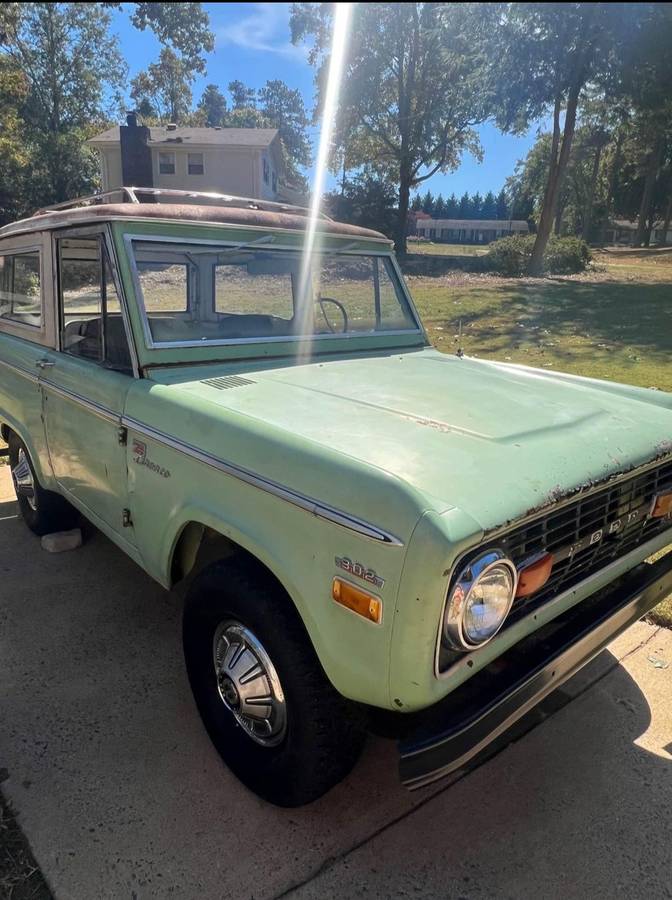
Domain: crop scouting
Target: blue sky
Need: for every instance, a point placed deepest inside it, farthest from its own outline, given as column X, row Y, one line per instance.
column 253, row 45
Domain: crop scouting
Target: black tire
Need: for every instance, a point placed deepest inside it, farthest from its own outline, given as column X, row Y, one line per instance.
column 44, row 512
column 323, row 736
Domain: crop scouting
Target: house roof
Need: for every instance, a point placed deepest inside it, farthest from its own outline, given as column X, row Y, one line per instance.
column 242, row 137
column 514, row 224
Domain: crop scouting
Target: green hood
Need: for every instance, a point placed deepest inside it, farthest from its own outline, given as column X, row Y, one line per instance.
column 493, row 440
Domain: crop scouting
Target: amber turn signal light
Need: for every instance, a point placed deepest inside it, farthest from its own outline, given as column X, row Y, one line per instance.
column 662, row 505
column 358, row 601
column 534, row 576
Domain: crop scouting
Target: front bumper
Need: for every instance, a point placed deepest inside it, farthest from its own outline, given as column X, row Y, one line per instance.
column 449, row 734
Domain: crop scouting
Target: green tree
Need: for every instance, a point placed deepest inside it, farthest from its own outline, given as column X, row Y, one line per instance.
column 502, row 208
column 416, row 203
column 452, row 207
column 285, row 110
column 166, row 86
column 367, row 200
column 464, row 207
column 14, row 152
column 213, row 106
column 69, row 63
column 440, row 207
column 476, row 206
column 185, row 27
column 411, row 93
column 242, row 97
column 489, row 208
column 542, row 58
column 428, row 203
column 247, row 117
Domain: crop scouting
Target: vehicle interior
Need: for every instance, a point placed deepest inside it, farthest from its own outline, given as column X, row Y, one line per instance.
column 198, row 293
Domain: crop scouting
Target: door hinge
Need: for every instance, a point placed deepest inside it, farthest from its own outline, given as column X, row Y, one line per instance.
column 126, row 520
column 122, row 435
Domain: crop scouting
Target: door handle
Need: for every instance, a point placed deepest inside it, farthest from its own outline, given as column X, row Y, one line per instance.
column 44, row 364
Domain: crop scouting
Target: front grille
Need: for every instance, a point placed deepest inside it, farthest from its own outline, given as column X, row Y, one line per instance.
column 620, row 512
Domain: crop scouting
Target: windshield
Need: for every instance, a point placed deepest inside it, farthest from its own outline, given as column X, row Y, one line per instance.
column 196, row 293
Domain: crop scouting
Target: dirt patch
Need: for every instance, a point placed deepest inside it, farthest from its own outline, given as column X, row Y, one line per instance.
column 20, row 878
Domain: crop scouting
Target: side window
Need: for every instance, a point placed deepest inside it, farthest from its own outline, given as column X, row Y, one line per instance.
column 92, row 326
column 20, row 292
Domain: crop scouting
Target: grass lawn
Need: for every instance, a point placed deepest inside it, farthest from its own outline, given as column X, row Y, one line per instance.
column 446, row 249
column 614, row 322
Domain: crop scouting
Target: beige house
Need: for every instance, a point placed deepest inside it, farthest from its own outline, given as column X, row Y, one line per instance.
column 243, row 161
column 469, row 231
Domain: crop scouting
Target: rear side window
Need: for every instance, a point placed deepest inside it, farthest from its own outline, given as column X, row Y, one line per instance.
column 20, row 288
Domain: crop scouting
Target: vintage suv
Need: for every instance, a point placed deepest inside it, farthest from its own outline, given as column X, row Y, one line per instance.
column 374, row 533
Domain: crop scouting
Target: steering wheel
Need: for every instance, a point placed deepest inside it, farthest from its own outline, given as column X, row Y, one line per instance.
column 321, row 301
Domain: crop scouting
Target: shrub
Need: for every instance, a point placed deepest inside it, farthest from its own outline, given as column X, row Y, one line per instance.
column 566, row 255
column 511, row 255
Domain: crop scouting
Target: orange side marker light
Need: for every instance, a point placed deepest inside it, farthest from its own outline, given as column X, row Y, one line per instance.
column 534, row 576
column 358, row 601
column 661, row 505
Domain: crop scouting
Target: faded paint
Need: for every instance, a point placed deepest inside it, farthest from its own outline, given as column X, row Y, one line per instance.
column 434, row 449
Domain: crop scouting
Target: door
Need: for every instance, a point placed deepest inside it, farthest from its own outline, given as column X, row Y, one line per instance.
column 85, row 383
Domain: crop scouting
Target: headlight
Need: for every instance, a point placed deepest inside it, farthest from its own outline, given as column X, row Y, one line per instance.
column 480, row 601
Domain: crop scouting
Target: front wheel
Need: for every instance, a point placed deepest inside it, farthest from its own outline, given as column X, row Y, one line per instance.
column 269, row 709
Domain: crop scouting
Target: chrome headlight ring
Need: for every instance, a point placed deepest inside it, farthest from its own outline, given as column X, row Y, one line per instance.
column 489, row 566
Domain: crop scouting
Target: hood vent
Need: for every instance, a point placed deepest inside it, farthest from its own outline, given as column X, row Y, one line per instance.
column 226, row 382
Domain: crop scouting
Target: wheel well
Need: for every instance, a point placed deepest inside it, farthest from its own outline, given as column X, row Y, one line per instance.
column 5, row 432
column 198, row 546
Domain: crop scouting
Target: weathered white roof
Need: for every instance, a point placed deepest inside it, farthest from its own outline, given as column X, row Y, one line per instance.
column 507, row 224
column 242, row 137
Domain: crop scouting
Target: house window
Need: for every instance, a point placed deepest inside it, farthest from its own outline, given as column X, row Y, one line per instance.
column 20, row 293
column 267, row 170
column 166, row 163
column 195, row 164
column 275, row 182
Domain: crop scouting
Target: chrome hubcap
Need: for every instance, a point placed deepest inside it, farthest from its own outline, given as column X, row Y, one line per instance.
column 23, row 479
column 248, row 683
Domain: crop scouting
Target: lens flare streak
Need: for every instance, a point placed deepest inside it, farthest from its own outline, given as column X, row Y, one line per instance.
column 342, row 16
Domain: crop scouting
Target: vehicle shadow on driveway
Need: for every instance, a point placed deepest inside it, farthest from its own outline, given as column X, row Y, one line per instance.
column 120, row 792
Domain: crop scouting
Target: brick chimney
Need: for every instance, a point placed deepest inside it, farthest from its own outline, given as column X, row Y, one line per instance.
column 136, row 157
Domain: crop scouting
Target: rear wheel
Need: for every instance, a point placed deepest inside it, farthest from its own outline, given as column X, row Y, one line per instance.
column 43, row 511
column 269, row 709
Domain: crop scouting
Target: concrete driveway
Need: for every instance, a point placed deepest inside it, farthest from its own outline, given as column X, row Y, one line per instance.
column 120, row 794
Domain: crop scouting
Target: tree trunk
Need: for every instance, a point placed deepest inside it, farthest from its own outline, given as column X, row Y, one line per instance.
column 668, row 219
column 555, row 174
column 643, row 229
column 557, row 228
column 590, row 199
column 402, row 216
column 613, row 175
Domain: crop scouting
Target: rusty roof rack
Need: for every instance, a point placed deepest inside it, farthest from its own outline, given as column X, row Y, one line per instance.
column 158, row 195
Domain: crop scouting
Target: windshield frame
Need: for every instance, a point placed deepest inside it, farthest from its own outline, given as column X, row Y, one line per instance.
column 272, row 241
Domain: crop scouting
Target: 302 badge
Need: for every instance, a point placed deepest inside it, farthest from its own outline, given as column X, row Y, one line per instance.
column 359, row 571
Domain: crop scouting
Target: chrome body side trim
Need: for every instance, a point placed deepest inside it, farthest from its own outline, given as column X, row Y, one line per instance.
column 19, row 370
column 308, row 504
column 101, row 411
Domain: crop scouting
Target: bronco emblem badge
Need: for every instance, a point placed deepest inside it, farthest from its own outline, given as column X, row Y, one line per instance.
column 140, row 458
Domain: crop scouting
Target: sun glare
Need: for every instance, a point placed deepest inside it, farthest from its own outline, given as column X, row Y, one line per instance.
column 342, row 16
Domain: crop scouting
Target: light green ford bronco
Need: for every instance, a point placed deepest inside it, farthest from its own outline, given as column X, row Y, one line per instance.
column 375, row 535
